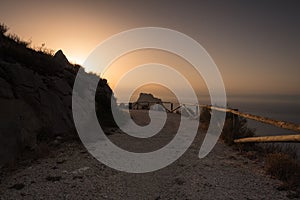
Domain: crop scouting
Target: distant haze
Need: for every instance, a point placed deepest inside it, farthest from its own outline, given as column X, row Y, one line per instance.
column 255, row 44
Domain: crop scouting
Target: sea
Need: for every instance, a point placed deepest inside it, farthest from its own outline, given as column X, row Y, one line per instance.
column 278, row 107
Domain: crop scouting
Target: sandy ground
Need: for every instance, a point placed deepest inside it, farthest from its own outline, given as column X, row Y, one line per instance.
column 70, row 172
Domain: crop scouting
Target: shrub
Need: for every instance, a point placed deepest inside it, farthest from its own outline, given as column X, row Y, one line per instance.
column 283, row 167
column 236, row 127
column 280, row 148
column 205, row 115
column 17, row 39
column 3, row 28
column 44, row 50
column 281, row 162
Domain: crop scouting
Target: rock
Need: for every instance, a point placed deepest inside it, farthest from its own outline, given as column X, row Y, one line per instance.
column 19, row 75
column 60, row 57
column 39, row 82
column 293, row 195
column 2, row 71
column 145, row 101
column 69, row 76
column 55, row 116
column 5, row 90
column 80, row 170
column 60, row 161
column 36, row 99
column 28, row 95
column 77, row 177
column 58, row 138
column 61, row 86
column 17, row 186
column 53, row 178
column 148, row 98
column 19, row 127
column 56, row 143
column 67, row 101
column 179, row 181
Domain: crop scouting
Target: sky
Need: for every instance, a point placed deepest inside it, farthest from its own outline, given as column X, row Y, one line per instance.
column 255, row 44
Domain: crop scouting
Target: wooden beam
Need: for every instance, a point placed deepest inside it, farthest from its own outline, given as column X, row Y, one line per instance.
column 279, row 138
column 175, row 109
column 280, row 124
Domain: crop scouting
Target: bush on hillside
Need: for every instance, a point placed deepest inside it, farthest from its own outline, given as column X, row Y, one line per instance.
column 18, row 40
column 281, row 162
column 280, row 148
column 283, row 167
column 235, row 127
column 3, row 28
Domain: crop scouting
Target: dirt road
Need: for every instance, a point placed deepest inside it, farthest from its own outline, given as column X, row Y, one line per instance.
column 70, row 172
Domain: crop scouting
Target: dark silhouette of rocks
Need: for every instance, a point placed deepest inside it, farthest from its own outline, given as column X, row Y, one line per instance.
column 144, row 97
column 36, row 97
column 60, row 57
column 145, row 101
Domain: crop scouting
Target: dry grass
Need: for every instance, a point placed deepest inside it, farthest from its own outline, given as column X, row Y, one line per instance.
column 287, row 149
column 280, row 160
column 285, row 168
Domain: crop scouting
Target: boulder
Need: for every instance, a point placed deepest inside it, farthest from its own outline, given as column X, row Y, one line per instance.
column 5, row 90
column 56, row 117
column 60, row 57
column 60, row 85
column 19, row 127
column 19, row 75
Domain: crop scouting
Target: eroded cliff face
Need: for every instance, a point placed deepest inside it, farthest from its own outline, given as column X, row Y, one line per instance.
column 36, row 97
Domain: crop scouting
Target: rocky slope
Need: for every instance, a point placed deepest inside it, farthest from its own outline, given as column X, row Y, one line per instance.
column 35, row 97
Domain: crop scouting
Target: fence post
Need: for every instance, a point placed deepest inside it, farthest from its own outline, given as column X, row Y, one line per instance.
column 235, row 121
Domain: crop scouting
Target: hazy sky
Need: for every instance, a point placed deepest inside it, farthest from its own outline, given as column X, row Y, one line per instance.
column 255, row 44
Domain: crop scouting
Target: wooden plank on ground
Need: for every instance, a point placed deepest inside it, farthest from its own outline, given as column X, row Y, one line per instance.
column 279, row 138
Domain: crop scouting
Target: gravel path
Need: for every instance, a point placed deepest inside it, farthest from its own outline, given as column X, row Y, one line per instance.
column 70, row 172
